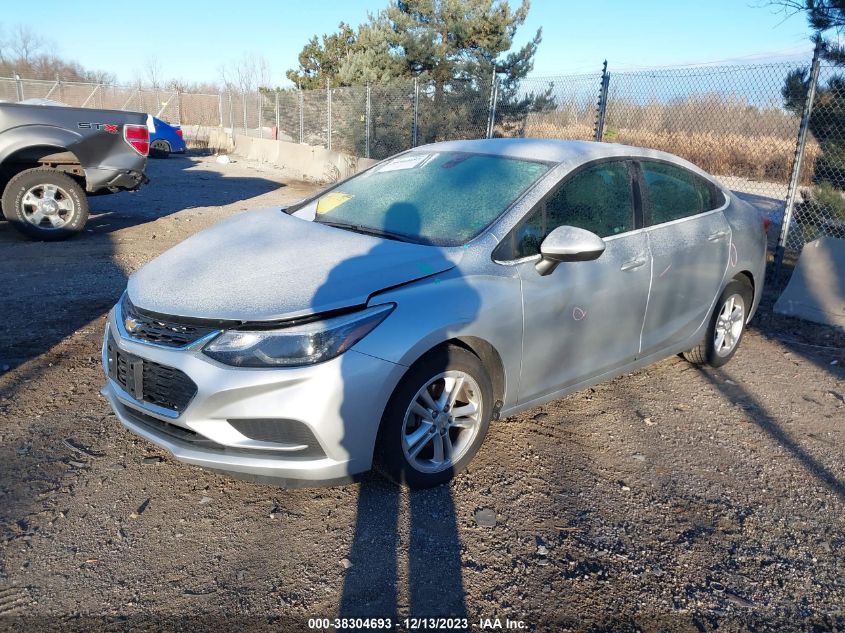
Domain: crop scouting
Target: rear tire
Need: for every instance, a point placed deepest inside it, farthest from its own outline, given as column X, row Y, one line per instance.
column 45, row 204
column 726, row 327
column 160, row 149
column 436, row 419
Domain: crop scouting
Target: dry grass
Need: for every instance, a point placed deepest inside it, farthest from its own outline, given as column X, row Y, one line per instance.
column 757, row 157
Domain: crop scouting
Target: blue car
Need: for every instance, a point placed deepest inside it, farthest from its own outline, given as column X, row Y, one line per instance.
column 165, row 139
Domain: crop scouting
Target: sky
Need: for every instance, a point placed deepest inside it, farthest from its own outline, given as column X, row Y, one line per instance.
column 192, row 40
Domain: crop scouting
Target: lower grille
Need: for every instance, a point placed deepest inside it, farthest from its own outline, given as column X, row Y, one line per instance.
column 173, row 431
column 187, row 437
column 148, row 381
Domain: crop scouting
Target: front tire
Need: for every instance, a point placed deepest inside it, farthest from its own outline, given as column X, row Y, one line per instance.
column 726, row 327
column 45, row 204
column 436, row 419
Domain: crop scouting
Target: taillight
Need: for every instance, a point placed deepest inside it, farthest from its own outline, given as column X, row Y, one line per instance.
column 179, row 132
column 766, row 223
column 138, row 136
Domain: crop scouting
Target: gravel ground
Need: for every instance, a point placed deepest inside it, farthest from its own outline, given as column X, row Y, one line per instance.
column 669, row 499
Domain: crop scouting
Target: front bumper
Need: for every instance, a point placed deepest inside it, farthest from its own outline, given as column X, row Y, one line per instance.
column 340, row 402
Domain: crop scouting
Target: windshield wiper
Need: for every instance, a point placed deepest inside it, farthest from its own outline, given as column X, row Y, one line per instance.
column 368, row 230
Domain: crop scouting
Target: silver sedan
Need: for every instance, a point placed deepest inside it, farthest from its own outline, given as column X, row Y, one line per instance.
column 388, row 320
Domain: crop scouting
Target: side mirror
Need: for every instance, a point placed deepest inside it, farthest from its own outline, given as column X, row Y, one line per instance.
column 568, row 244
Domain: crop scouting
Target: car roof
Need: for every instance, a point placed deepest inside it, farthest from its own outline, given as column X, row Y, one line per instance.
column 571, row 153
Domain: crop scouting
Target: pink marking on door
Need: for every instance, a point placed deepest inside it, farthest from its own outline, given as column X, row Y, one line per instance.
column 579, row 314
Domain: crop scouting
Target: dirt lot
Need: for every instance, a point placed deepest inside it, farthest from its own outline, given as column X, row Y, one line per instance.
column 670, row 499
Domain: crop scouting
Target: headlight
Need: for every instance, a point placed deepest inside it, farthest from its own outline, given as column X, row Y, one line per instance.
column 304, row 344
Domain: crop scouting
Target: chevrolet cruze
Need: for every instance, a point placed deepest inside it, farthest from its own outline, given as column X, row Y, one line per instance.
column 388, row 320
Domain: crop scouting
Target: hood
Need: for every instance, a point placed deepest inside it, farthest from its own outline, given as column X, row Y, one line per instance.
column 266, row 265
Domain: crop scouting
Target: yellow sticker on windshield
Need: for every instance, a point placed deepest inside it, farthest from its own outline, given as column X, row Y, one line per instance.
column 330, row 201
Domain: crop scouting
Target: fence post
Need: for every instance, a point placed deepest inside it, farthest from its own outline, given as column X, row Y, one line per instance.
column 243, row 107
column 494, row 98
column 367, row 117
column 231, row 117
column 179, row 106
column 277, row 114
column 801, row 143
column 18, row 86
column 328, row 114
column 260, row 103
column 220, row 107
column 301, row 118
column 416, row 112
column 602, row 105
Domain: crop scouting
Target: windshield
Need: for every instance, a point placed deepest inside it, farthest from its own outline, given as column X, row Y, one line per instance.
column 441, row 198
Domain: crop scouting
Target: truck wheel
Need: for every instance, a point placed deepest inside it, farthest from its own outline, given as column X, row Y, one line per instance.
column 160, row 149
column 45, row 204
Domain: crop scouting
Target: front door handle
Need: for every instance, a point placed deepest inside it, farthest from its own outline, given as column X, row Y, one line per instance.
column 633, row 264
column 715, row 237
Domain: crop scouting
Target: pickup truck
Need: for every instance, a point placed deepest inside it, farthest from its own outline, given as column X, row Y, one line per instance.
column 52, row 156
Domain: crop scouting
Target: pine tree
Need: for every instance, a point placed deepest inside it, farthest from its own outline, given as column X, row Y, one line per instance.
column 320, row 61
column 451, row 47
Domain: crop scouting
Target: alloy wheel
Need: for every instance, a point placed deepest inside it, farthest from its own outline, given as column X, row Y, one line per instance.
column 47, row 206
column 729, row 324
column 442, row 422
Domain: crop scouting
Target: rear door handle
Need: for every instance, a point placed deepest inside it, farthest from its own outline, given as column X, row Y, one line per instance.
column 633, row 264
column 715, row 237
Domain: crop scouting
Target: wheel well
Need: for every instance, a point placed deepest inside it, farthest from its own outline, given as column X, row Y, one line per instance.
column 746, row 277
column 41, row 156
column 491, row 360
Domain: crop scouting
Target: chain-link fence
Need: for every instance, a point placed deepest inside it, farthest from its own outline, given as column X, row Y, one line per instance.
column 773, row 133
column 549, row 107
column 818, row 206
column 163, row 103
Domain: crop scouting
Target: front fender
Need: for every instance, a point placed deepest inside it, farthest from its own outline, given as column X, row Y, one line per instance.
column 450, row 305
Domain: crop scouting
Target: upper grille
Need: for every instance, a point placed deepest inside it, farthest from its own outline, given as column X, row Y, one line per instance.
column 148, row 381
column 167, row 331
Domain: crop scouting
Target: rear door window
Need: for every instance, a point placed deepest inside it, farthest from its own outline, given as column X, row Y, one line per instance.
column 673, row 193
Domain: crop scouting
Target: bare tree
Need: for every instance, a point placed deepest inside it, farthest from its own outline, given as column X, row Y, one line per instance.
column 153, row 73
column 248, row 74
column 25, row 44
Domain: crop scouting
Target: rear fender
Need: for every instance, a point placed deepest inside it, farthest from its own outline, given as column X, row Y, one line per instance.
column 20, row 138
